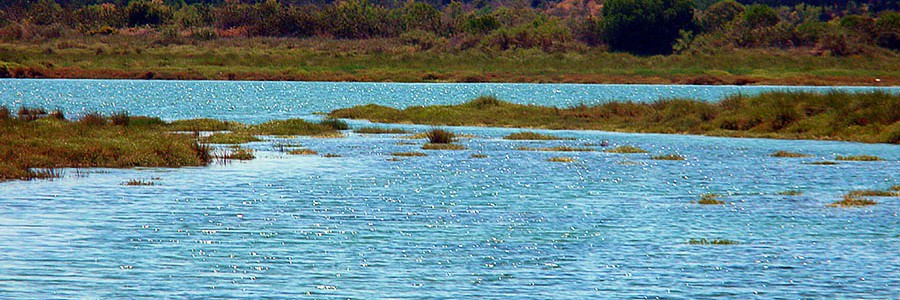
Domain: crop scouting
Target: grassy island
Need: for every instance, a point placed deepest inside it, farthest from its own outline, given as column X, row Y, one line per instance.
column 864, row 117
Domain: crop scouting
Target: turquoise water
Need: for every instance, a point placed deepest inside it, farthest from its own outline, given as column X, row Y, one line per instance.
column 511, row 225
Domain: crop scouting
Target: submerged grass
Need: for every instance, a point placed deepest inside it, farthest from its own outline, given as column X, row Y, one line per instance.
column 858, row 158
column 533, row 136
column 379, row 130
column 782, row 153
column 668, row 157
column 852, row 201
column 626, row 150
column 712, row 242
column 865, row 117
column 710, row 199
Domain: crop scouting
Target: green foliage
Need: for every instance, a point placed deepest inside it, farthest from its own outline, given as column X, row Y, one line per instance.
column 147, row 13
column 720, row 14
column 760, row 16
column 45, row 12
column 646, row 26
column 888, row 30
column 335, row 124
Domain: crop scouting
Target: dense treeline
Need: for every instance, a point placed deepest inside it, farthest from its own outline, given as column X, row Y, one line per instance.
column 636, row 26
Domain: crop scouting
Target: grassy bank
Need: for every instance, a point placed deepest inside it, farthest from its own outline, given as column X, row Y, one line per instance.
column 34, row 143
column 388, row 59
column 863, row 117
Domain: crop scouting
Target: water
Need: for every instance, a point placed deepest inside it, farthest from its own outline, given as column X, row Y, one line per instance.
column 511, row 225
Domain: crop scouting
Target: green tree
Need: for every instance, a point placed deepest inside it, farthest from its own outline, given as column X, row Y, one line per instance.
column 646, row 26
column 45, row 12
column 723, row 12
column 888, row 30
column 760, row 16
column 143, row 12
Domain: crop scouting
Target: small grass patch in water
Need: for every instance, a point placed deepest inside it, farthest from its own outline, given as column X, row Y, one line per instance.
column 533, row 136
column 202, row 124
column 303, row 151
column 626, row 150
column 852, row 201
column 479, row 155
column 561, row 159
column 710, row 199
column 858, row 158
column 138, row 182
column 786, row 154
column 440, row 136
column 895, row 188
column 668, row 157
column 873, row 193
column 822, row 163
column 712, row 242
column 240, row 154
column 231, row 138
column 556, row 149
column 791, row 193
column 379, row 130
column 336, row 124
column 433, row 146
column 408, row 154
column 331, row 155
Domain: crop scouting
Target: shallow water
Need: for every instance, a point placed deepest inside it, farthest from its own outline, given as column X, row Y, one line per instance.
column 511, row 225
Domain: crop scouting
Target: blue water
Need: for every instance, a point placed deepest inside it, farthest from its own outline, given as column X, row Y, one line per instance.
column 512, row 225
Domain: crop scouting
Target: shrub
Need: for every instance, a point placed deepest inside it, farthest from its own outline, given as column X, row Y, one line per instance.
column 760, row 16
column 4, row 113
column 723, row 12
column 93, row 119
column 646, row 26
column 888, row 30
column 120, row 118
column 440, row 136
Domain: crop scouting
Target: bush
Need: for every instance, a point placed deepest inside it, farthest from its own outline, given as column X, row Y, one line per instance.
column 718, row 15
column 760, row 16
column 646, row 26
column 440, row 136
column 120, row 119
column 93, row 119
column 143, row 12
column 888, row 30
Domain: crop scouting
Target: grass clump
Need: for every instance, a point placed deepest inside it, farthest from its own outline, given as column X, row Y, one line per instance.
column 852, row 201
column 331, row 155
column 783, row 153
column 873, row 193
column 239, row 154
column 433, row 146
column 440, row 136
column 791, row 193
column 478, row 155
column 668, row 157
column 556, row 149
column 231, row 138
column 532, row 136
column 408, row 154
column 858, row 158
column 335, row 124
column 561, row 159
column 378, row 130
column 710, row 199
column 293, row 127
column 822, row 163
column 626, row 150
column 138, row 182
column 303, row 151
column 712, row 242
column 895, row 188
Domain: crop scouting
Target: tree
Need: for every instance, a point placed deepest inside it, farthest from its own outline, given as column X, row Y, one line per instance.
column 721, row 13
column 646, row 27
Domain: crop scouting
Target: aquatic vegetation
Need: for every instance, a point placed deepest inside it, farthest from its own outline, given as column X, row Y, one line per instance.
column 858, row 158
column 561, row 159
column 710, row 199
column 479, row 155
column 292, row 127
column 331, row 155
column 533, row 136
column 556, row 149
column 626, row 150
column 852, row 201
column 408, row 154
column 231, row 138
column 786, row 115
column 433, row 146
column 873, row 193
column 335, row 124
column 35, row 148
column 379, row 130
column 202, row 124
column 303, row 151
column 895, row 188
column 712, row 242
column 668, row 157
column 440, row 136
column 824, row 163
column 791, row 193
column 138, row 182
column 239, row 154
column 782, row 153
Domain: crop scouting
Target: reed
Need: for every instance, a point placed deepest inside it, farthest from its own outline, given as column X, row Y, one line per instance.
column 441, row 146
column 138, row 182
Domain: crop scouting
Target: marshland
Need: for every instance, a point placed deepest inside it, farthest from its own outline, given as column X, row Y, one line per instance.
column 348, row 208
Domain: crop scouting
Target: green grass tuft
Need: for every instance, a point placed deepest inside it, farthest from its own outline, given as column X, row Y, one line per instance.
column 533, row 136
column 858, row 158
column 783, row 153
column 626, row 150
column 202, row 124
column 668, row 157
column 240, row 154
column 479, row 155
column 440, row 136
column 710, row 199
column 231, row 138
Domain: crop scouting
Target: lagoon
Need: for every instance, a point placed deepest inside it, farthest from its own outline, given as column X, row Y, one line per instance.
column 446, row 225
